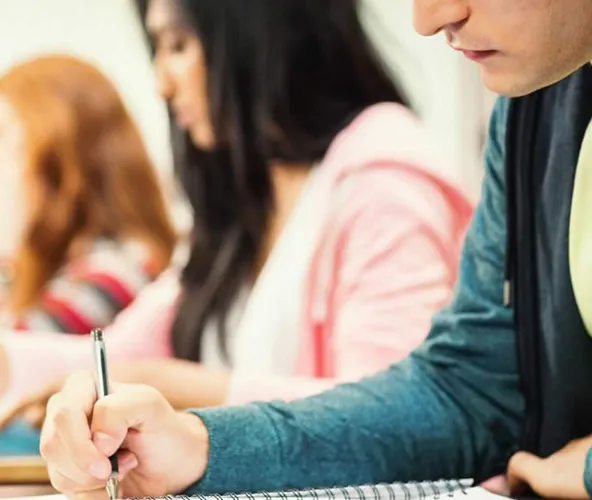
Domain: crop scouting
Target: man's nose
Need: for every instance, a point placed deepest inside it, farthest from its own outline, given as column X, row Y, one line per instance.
column 432, row 16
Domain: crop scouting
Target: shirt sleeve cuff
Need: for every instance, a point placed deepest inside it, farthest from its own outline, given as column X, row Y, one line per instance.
column 237, row 435
column 588, row 473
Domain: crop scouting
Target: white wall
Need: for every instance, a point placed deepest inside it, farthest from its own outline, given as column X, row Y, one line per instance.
column 108, row 34
column 103, row 32
column 445, row 87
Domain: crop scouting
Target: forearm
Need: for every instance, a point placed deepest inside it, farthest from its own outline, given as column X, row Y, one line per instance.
column 184, row 384
column 360, row 433
column 246, row 388
column 34, row 359
column 4, row 371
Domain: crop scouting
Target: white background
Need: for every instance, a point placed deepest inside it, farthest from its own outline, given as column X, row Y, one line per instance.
column 445, row 88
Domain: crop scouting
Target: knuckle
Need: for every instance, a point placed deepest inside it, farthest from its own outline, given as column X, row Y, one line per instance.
column 153, row 400
column 53, row 405
column 60, row 417
column 148, row 393
column 148, row 397
column 151, row 395
column 47, row 445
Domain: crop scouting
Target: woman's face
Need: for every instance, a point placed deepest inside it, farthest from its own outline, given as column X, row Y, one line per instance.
column 180, row 70
column 13, row 208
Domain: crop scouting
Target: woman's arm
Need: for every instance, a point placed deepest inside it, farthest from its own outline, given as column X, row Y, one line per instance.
column 184, row 384
column 396, row 268
column 141, row 331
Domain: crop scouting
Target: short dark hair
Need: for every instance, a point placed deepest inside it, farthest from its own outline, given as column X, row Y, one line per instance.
column 284, row 78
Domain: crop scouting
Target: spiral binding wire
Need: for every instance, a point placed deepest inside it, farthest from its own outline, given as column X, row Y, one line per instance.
column 434, row 490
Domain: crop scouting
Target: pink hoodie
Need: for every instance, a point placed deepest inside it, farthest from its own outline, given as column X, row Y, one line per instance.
column 385, row 263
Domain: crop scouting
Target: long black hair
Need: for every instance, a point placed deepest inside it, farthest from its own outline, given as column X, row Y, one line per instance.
column 284, row 78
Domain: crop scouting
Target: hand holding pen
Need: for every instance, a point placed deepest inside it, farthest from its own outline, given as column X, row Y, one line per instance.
column 159, row 451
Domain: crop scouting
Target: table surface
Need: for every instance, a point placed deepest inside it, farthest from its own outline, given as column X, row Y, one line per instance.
column 28, row 490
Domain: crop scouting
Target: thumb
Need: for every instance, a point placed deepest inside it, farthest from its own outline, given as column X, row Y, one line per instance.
column 128, row 407
column 498, row 485
column 524, row 468
column 108, row 444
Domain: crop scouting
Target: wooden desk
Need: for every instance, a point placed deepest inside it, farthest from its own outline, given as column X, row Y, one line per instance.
column 28, row 490
column 23, row 470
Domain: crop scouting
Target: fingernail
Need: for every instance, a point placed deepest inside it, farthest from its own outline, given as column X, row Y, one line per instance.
column 100, row 470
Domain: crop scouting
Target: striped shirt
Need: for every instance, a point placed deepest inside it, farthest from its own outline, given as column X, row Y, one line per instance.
column 89, row 291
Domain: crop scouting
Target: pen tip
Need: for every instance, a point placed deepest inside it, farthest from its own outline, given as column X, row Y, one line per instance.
column 113, row 488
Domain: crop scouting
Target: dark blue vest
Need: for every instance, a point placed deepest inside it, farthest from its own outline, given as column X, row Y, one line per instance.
column 544, row 134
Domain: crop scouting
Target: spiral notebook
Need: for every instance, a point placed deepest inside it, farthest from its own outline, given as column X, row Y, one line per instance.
column 437, row 490
column 433, row 490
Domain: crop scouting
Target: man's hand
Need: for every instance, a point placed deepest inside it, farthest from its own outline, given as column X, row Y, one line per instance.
column 160, row 451
column 559, row 476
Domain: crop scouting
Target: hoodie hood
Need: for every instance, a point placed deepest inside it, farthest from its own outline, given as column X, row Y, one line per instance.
column 389, row 135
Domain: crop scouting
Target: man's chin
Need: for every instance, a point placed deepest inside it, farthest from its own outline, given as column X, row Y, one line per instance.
column 518, row 83
column 508, row 84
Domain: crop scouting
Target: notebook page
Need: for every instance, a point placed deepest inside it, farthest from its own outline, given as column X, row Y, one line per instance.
column 478, row 493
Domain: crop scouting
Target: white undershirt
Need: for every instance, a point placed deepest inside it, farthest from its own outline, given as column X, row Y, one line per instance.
column 210, row 347
column 263, row 325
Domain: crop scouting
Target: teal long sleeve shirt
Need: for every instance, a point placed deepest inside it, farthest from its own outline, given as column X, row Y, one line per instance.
column 453, row 409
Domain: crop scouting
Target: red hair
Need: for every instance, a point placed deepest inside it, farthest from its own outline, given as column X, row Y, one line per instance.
column 88, row 174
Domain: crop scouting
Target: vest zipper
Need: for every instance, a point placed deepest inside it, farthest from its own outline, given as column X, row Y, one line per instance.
column 520, row 290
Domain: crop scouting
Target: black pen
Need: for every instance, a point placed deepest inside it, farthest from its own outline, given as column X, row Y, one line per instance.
column 102, row 381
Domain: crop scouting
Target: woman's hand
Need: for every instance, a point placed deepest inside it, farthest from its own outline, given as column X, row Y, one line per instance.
column 559, row 476
column 160, row 451
column 162, row 374
column 32, row 407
